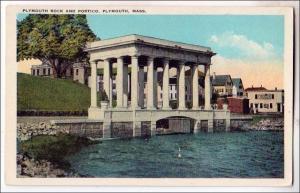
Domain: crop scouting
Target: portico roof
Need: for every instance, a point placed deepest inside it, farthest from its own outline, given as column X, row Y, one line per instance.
column 146, row 40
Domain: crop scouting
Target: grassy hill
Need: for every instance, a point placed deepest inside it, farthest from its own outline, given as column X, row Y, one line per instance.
column 41, row 93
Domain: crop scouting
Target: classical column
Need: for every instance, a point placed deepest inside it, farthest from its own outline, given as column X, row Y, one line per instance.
column 111, row 85
column 141, row 87
column 106, row 78
column 125, row 85
column 181, row 85
column 195, row 87
column 166, row 101
column 207, row 88
column 134, row 82
column 119, row 81
column 150, row 83
column 93, row 83
column 177, row 85
column 155, row 87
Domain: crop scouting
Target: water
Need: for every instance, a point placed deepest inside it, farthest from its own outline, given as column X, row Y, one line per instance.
column 256, row 154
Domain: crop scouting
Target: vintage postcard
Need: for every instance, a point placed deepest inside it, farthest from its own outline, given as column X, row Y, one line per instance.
column 149, row 95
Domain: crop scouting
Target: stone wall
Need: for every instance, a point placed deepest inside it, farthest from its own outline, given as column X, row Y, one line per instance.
column 219, row 125
column 121, row 130
column 204, row 125
column 83, row 129
column 146, row 129
column 91, row 130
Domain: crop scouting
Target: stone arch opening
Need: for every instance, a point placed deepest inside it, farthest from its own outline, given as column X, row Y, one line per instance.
column 175, row 125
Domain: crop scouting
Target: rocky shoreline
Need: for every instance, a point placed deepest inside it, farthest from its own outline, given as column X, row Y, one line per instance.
column 27, row 130
column 28, row 167
column 266, row 124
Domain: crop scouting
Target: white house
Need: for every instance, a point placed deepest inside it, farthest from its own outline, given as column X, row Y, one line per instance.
column 262, row 100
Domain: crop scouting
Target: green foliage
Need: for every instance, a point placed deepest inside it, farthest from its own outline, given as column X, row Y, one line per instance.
column 58, row 40
column 53, row 148
column 114, row 103
column 41, row 93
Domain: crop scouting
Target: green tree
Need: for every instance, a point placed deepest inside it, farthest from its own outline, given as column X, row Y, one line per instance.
column 57, row 40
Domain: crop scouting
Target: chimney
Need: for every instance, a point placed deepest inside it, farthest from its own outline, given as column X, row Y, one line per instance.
column 261, row 86
column 214, row 75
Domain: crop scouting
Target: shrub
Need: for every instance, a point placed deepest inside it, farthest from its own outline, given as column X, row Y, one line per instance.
column 53, row 148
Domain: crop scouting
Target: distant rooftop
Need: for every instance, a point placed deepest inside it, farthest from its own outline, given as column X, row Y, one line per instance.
column 134, row 38
column 236, row 81
column 220, row 80
column 261, row 88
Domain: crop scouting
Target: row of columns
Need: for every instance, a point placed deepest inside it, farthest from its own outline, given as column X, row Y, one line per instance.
column 137, row 84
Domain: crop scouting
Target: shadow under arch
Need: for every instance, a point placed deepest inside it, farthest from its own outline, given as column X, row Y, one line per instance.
column 175, row 125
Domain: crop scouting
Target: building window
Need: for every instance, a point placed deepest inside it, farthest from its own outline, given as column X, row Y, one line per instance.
column 44, row 71
column 37, row 72
column 33, row 72
column 76, row 71
column 261, row 105
column 271, row 106
column 272, row 96
column 161, row 95
column 48, row 71
column 256, row 105
column 256, row 96
column 251, row 105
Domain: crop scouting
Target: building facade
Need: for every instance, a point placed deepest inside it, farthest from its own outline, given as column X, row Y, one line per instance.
column 238, row 87
column 222, row 85
column 80, row 73
column 41, row 70
column 47, row 70
column 262, row 100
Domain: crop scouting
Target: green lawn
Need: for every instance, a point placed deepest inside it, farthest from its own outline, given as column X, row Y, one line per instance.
column 41, row 93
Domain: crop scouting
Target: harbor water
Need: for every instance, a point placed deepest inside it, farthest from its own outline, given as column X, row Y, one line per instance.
column 255, row 154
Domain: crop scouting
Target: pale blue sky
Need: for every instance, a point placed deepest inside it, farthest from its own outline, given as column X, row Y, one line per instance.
column 194, row 29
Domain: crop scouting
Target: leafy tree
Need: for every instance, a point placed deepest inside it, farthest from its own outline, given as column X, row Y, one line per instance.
column 57, row 40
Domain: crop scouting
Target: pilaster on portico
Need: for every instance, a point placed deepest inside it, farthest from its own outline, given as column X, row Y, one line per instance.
column 135, row 82
column 107, row 79
column 93, row 83
column 207, row 88
column 150, row 83
column 166, row 67
column 119, row 82
column 195, row 86
column 125, row 85
column 181, row 86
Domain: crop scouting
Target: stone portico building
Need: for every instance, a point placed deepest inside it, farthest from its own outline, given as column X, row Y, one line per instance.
column 146, row 55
